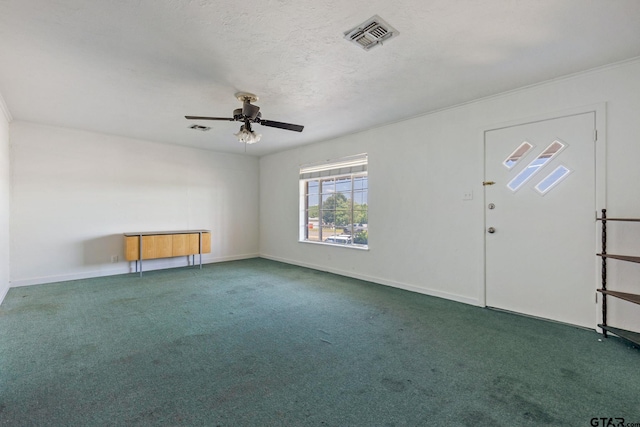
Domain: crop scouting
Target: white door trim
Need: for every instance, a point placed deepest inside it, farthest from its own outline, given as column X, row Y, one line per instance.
column 600, row 110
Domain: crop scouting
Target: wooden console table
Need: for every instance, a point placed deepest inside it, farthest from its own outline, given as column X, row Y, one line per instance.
column 166, row 244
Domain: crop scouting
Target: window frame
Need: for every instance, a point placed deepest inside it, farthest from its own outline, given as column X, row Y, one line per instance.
column 306, row 202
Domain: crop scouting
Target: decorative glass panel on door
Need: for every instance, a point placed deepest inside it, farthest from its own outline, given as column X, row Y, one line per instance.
column 538, row 163
column 518, row 154
column 555, row 177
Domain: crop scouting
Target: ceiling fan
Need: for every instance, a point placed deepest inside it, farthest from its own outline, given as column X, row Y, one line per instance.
column 248, row 114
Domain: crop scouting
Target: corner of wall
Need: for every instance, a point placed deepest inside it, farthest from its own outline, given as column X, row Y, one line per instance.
column 3, row 293
column 5, row 177
column 5, row 110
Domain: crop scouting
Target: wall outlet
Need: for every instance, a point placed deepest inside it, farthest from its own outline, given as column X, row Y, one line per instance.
column 467, row 195
column 114, row 258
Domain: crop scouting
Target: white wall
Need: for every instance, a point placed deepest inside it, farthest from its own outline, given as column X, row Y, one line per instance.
column 74, row 193
column 423, row 236
column 4, row 199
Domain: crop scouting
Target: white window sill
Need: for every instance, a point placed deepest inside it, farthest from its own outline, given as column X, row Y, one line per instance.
column 338, row 245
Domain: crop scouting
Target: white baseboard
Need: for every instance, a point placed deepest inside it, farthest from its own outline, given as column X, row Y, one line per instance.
column 380, row 281
column 125, row 268
column 67, row 277
column 165, row 263
column 3, row 293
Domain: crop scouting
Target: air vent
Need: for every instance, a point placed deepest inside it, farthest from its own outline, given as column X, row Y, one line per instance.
column 200, row 128
column 373, row 32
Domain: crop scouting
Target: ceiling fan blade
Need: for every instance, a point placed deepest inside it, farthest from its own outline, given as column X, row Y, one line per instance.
column 280, row 125
column 209, row 118
column 249, row 110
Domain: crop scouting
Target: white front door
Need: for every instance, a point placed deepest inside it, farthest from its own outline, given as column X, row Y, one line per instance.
column 540, row 219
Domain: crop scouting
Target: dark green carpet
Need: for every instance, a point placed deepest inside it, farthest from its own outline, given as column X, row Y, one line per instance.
column 260, row 343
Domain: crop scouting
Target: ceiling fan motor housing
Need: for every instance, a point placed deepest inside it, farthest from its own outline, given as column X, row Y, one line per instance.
column 250, row 111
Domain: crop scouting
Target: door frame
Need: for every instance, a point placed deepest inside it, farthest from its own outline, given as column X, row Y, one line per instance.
column 600, row 183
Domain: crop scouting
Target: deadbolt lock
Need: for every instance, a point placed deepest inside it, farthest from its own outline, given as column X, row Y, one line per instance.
column 491, row 230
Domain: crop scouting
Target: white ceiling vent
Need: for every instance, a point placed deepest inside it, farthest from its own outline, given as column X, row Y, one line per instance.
column 372, row 32
column 200, row 128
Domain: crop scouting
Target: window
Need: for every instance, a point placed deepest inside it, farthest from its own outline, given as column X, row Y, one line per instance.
column 334, row 202
column 552, row 179
column 518, row 154
column 535, row 165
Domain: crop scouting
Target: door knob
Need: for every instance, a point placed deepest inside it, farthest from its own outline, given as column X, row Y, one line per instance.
column 491, row 230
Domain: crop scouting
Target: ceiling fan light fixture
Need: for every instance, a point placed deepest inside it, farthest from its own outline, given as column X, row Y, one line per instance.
column 246, row 136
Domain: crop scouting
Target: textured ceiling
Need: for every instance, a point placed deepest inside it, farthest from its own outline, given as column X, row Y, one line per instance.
column 135, row 68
